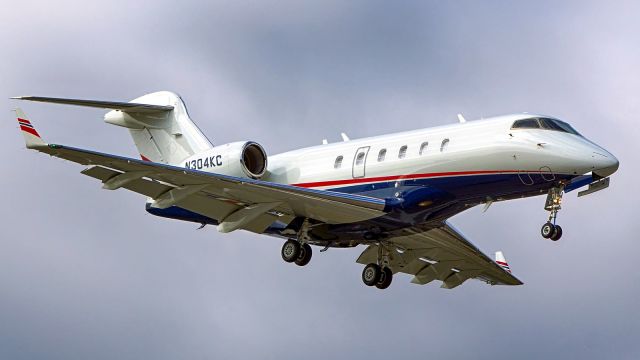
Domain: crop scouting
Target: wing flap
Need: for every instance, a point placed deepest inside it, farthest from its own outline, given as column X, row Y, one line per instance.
column 207, row 206
column 149, row 188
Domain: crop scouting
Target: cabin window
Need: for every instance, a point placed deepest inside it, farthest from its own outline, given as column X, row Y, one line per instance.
column 403, row 152
column 423, row 147
column 444, row 145
column 338, row 162
column 360, row 158
column 382, row 154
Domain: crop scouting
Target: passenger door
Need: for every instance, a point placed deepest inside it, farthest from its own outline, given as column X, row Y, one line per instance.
column 359, row 162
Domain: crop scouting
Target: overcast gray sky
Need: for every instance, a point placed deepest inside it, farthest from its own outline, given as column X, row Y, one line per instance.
column 86, row 273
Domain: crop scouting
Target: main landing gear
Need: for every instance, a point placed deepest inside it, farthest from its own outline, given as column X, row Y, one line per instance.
column 550, row 230
column 298, row 251
column 376, row 275
column 295, row 252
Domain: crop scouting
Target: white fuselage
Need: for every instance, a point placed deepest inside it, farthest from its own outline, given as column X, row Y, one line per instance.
column 487, row 146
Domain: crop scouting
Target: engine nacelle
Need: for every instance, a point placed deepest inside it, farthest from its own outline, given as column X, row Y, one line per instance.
column 245, row 159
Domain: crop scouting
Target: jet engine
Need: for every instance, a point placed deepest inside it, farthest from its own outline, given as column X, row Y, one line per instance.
column 246, row 159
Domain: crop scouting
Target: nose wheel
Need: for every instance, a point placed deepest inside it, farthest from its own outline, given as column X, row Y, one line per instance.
column 553, row 204
column 551, row 231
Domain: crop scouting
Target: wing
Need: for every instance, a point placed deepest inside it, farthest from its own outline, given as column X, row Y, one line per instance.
column 440, row 253
column 170, row 185
column 235, row 203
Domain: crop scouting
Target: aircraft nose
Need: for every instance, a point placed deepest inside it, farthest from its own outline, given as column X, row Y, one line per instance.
column 605, row 163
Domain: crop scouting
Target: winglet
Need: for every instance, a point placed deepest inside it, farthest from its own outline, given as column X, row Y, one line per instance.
column 31, row 136
column 500, row 260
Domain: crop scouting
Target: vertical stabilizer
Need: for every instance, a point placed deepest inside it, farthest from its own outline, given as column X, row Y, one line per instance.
column 166, row 137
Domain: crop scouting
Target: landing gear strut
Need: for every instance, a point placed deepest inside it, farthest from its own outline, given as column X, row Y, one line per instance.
column 553, row 204
column 377, row 275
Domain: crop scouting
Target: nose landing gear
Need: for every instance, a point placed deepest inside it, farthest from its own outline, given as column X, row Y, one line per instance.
column 553, row 204
column 551, row 231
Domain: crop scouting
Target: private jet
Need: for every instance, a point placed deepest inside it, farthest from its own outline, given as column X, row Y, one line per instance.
column 392, row 193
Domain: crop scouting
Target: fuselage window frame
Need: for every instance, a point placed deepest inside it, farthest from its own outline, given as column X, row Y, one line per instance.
column 338, row 163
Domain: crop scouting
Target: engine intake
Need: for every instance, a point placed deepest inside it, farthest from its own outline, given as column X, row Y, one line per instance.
column 254, row 160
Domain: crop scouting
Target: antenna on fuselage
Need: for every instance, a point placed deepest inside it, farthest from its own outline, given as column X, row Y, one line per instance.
column 461, row 119
column 324, row 142
column 344, row 137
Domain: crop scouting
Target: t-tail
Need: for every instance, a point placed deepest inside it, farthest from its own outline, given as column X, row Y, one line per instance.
column 158, row 122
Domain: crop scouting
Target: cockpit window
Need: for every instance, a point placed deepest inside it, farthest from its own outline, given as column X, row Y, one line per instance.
column 526, row 124
column 550, row 125
column 544, row 123
column 565, row 127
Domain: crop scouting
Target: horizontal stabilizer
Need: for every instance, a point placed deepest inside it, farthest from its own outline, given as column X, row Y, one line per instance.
column 123, row 106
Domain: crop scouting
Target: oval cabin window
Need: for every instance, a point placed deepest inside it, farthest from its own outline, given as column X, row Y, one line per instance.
column 338, row 162
column 445, row 144
column 382, row 154
column 403, row 152
column 423, row 147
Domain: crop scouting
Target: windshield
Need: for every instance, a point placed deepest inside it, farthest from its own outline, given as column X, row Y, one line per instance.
column 544, row 124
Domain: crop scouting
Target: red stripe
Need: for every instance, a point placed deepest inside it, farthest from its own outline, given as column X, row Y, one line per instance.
column 502, row 263
column 400, row 177
column 31, row 131
column 24, row 121
column 144, row 158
